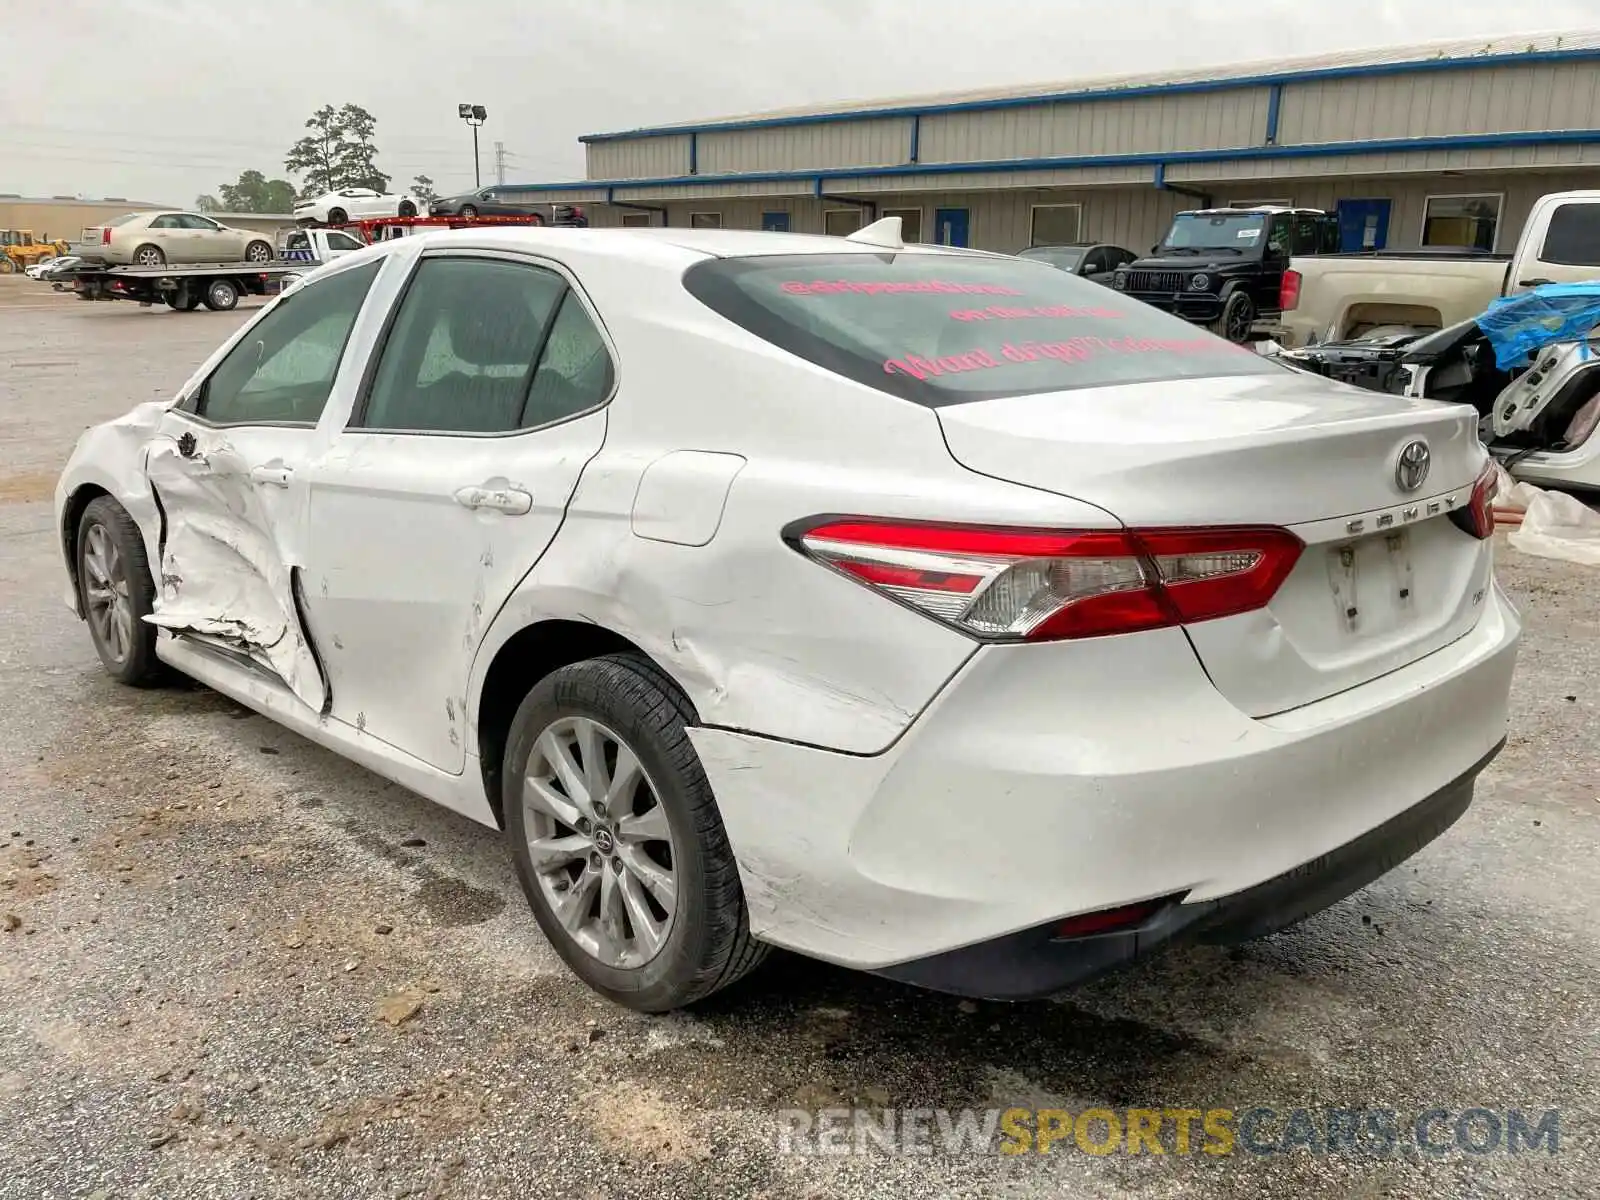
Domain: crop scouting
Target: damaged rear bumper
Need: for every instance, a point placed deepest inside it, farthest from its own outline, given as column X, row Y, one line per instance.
column 1037, row 962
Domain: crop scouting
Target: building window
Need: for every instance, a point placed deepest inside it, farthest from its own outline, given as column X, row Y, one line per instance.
column 841, row 222
column 636, row 220
column 1281, row 202
column 910, row 223
column 705, row 220
column 1056, row 224
column 1472, row 222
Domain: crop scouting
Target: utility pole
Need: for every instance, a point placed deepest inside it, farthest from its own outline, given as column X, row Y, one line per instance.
column 500, row 163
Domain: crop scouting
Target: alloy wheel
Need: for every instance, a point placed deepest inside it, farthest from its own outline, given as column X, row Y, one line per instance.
column 600, row 842
column 106, row 593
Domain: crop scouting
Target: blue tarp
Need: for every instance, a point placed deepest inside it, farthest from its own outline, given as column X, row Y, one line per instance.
column 1518, row 326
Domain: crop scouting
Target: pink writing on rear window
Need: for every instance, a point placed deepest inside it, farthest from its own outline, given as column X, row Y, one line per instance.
column 898, row 287
column 1072, row 350
column 1001, row 312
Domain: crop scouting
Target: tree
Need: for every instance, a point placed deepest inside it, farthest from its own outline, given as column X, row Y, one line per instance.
column 255, row 193
column 422, row 189
column 208, row 204
column 338, row 152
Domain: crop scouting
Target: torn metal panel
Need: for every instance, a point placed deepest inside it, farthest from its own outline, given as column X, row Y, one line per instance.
column 227, row 556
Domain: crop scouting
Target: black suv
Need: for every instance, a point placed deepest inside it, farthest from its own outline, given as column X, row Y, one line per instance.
column 1221, row 267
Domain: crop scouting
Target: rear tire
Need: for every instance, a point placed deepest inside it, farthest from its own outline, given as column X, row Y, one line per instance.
column 469, row 211
column 338, row 216
column 652, row 958
column 149, row 256
column 407, row 209
column 221, row 296
column 117, row 592
column 1238, row 316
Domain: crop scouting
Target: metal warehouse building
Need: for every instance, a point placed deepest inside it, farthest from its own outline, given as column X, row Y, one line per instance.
column 1446, row 144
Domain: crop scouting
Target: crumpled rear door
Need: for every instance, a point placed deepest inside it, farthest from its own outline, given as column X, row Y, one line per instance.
column 233, row 517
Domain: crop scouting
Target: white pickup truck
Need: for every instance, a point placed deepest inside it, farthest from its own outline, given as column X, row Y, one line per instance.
column 1331, row 297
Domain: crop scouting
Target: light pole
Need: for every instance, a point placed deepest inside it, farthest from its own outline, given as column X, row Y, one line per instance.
column 474, row 115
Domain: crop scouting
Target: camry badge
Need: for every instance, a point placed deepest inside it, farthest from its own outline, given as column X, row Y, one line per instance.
column 1411, row 468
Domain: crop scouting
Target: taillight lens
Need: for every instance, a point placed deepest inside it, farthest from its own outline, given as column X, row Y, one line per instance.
column 1477, row 518
column 105, row 237
column 1003, row 584
column 1289, row 291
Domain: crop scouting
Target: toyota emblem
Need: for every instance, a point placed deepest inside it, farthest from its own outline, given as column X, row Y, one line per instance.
column 1411, row 468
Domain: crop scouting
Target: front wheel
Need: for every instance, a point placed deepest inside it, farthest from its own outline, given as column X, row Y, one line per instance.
column 258, row 252
column 617, row 839
column 338, row 216
column 221, row 296
column 117, row 592
column 1237, row 319
column 407, row 209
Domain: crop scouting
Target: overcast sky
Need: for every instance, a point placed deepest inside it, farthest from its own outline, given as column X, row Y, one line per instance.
column 161, row 100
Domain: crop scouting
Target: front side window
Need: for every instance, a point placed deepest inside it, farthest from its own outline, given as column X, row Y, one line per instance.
column 482, row 345
column 942, row 329
column 1469, row 222
column 342, row 241
column 282, row 370
column 1199, row 232
column 1573, row 239
column 190, row 221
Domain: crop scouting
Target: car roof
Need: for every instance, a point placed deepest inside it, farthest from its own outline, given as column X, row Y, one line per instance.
column 663, row 244
column 1256, row 208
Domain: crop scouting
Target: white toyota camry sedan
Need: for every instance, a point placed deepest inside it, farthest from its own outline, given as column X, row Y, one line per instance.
column 931, row 612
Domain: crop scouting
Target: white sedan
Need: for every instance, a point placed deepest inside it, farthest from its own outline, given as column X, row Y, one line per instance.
column 353, row 204
column 931, row 612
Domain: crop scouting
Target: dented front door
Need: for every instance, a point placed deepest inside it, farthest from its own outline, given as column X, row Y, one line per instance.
column 225, row 465
column 233, row 516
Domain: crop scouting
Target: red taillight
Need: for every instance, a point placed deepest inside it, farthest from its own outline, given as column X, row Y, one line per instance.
column 1477, row 518
column 105, row 237
column 1108, row 920
column 1044, row 585
column 1289, row 291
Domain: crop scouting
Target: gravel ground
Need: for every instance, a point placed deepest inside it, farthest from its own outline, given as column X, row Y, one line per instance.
column 242, row 967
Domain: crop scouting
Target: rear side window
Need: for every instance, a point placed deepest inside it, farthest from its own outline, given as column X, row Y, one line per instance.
column 1573, row 239
column 946, row 329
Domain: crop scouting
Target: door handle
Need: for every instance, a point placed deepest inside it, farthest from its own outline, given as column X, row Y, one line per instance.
column 272, row 476
column 1533, row 282
column 512, row 501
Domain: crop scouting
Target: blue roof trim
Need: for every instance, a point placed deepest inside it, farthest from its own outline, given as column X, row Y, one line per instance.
column 1152, row 89
column 1475, row 141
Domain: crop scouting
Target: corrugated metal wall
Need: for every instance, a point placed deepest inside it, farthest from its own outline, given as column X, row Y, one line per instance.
column 1435, row 103
column 1136, row 217
column 1196, row 121
column 999, row 220
column 639, row 158
column 806, row 147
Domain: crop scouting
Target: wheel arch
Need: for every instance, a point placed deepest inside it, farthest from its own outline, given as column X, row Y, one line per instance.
column 71, row 516
column 527, row 656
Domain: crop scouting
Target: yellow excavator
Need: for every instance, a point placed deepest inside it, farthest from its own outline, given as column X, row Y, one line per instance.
column 18, row 250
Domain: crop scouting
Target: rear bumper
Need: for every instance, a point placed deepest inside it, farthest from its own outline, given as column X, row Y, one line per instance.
column 1054, row 780
column 1035, row 963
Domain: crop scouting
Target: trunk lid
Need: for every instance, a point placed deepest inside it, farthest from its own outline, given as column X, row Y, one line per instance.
column 1386, row 576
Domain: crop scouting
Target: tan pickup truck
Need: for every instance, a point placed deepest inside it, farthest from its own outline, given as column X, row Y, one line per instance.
column 1330, row 297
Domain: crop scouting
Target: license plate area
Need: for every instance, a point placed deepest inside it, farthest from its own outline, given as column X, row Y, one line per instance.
column 1372, row 583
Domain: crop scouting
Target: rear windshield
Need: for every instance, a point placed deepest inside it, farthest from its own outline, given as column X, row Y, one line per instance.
column 112, row 224
column 1061, row 256
column 947, row 329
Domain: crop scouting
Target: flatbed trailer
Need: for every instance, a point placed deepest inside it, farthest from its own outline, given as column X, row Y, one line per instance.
column 218, row 286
